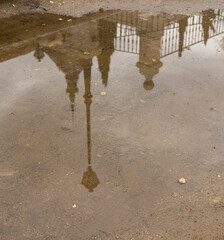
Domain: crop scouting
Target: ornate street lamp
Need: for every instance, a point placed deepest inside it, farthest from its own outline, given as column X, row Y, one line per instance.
column 90, row 179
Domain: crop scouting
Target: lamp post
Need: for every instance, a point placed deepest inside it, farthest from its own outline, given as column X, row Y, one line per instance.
column 89, row 179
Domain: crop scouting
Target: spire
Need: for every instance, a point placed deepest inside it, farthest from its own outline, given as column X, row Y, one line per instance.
column 107, row 32
column 72, row 89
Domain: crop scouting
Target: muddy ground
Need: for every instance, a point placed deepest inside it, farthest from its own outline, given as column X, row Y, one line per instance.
column 143, row 142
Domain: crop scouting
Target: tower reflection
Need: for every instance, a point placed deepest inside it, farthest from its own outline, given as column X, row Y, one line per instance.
column 106, row 35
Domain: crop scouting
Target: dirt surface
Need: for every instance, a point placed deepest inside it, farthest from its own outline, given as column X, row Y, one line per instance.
column 79, row 8
column 101, row 115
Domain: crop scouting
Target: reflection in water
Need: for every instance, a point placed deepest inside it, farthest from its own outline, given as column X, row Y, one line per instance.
column 39, row 53
column 73, row 49
column 90, row 179
column 207, row 23
column 106, row 35
column 183, row 22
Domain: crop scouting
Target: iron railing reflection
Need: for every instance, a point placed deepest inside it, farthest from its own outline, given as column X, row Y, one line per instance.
column 176, row 33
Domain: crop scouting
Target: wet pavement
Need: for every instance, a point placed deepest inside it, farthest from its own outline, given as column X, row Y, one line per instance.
column 99, row 118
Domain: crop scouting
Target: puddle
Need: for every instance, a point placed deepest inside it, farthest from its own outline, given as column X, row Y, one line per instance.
column 106, row 114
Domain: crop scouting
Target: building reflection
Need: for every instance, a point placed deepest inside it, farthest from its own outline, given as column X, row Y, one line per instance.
column 149, row 51
column 106, row 35
column 151, row 39
column 39, row 53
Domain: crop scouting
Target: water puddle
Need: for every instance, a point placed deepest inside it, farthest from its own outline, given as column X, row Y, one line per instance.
column 99, row 117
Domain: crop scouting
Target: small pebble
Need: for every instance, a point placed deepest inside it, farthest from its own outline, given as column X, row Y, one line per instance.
column 216, row 200
column 182, row 180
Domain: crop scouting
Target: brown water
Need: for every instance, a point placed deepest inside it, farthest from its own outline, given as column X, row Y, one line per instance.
column 100, row 118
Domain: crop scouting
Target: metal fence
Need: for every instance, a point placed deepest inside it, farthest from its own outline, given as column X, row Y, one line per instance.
column 193, row 34
column 175, row 33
